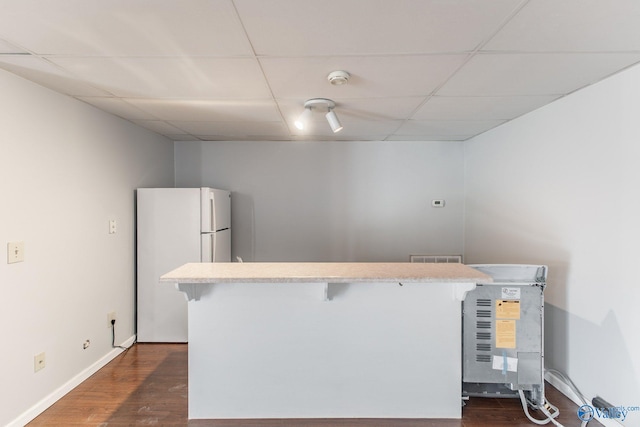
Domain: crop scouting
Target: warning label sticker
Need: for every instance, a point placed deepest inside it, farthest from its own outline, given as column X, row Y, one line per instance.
column 507, row 309
column 505, row 334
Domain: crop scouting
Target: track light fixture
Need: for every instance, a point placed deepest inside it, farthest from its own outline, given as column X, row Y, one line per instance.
column 322, row 104
column 335, row 124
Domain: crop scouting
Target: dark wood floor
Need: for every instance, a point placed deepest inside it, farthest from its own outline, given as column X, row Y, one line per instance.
column 147, row 385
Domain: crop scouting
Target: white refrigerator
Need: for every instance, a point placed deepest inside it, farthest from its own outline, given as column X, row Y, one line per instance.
column 175, row 226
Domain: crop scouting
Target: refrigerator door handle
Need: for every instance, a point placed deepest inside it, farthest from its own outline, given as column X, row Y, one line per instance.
column 212, row 216
column 207, row 206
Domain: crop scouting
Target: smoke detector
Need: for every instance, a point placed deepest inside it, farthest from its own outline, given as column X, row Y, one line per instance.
column 338, row 78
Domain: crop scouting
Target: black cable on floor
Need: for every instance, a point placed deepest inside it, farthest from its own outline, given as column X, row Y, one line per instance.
column 113, row 337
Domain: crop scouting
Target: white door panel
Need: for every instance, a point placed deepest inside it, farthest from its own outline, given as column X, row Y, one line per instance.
column 222, row 246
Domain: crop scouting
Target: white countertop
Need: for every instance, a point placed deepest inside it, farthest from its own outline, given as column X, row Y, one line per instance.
column 323, row 272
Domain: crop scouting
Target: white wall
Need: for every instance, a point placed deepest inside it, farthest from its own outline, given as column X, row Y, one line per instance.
column 559, row 186
column 66, row 169
column 333, row 201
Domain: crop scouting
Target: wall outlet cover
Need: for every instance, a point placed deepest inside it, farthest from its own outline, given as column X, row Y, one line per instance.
column 110, row 316
column 39, row 362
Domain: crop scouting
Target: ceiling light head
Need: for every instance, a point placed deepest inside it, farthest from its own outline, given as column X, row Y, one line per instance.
column 302, row 121
column 338, row 78
column 332, row 118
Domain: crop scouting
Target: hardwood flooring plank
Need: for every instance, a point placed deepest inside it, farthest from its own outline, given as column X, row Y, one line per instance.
column 147, row 385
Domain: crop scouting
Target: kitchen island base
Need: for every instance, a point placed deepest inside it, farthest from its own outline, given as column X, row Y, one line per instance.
column 278, row 350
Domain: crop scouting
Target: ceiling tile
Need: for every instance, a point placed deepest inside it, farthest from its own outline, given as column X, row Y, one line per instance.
column 235, row 129
column 6, row 47
column 378, row 108
column 182, row 137
column 371, row 77
column 214, row 110
column 533, row 74
column 446, row 127
column 365, row 127
column 180, row 78
column 258, row 137
column 125, row 27
column 429, row 137
column 572, row 25
column 160, row 127
column 339, row 137
column 48, row 75
column 119, row 108
column 479, row 107
column 347, row 27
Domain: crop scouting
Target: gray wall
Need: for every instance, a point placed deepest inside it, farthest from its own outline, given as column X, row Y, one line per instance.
column 333, row 201
column 559, row 186
column 66, row 169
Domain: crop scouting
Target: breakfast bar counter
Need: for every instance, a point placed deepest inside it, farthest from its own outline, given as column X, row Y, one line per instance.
column 324, row 340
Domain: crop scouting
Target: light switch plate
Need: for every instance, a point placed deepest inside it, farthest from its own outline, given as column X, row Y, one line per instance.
column 113, row 226
column 15, row 252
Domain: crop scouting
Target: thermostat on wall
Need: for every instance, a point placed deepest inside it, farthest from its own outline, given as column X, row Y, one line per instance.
column 437, row 203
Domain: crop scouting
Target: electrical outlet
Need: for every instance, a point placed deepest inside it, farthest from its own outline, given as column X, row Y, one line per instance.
column 15, row 252
column 110, row 317
column 38, row 362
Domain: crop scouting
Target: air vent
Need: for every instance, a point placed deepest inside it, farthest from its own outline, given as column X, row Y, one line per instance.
column 483, row 303
column 483, row 347
column 483, row 313
column 483, row 324
column 455, row 259
column 483, row 335
column 483, row 358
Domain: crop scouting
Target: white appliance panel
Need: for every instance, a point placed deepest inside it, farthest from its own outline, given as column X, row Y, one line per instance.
column 222, row 246
column 168, row 234
column 216, row 247
column 206, row 247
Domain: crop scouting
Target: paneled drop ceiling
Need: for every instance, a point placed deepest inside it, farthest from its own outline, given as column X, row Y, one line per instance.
column 242, row 69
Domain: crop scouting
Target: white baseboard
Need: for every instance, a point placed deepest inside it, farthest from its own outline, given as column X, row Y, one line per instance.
column 52, row 398
column 563, row 388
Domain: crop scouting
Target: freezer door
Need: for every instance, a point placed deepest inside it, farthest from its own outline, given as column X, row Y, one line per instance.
column 216, row 247
column 216, row 209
